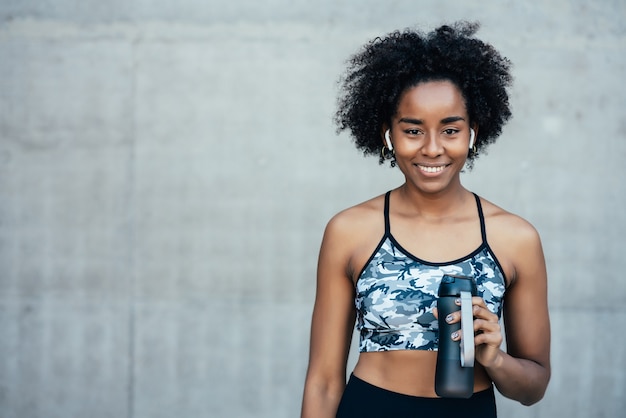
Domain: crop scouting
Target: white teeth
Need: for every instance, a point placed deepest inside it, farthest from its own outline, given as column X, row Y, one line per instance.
column 431, row 169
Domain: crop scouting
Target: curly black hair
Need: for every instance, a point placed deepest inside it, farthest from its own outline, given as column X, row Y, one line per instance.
column 386, row 67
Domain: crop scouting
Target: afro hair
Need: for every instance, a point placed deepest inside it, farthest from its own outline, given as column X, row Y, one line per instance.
column 385, row 68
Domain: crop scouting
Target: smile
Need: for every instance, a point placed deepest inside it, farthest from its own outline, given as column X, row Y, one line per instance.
column 429, row 169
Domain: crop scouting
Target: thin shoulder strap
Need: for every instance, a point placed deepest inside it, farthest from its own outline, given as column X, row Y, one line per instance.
column 387, row 227
column 483, row 230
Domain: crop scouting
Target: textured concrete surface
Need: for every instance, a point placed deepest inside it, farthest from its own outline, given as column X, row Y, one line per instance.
column 167, row 169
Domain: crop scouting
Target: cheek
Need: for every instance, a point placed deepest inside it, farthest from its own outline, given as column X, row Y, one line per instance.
column 462, row 149
column 405, row 146
column 457, row 147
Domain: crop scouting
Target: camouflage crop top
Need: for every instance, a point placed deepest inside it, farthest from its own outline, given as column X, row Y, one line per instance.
column 396, row 292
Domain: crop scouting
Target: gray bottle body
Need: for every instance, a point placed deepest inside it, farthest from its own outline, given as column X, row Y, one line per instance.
column 452, row 379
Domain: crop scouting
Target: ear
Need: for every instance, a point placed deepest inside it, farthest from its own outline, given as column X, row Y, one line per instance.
column 386, row 134
column 473, row 136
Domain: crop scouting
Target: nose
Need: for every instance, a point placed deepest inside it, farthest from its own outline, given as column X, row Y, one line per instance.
column 432, row 145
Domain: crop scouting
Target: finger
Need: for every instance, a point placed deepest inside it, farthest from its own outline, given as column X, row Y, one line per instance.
column 456, row 335
column 484, row 313
column 483, row 326
column 487, row 333
column 453, row 317
column 493, row 339
column 478, row 301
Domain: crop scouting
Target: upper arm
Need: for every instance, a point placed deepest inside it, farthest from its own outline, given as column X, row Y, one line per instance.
column 526, row 317
column 333, row 313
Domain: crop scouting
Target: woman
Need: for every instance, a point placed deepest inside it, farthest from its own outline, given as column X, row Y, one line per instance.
column 430, row 103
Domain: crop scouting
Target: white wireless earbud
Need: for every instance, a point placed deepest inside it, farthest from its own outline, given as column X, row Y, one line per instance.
column 472, row 136
column 388, row 140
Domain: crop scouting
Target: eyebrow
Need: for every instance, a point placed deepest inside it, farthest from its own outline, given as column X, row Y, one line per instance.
column 449, row 119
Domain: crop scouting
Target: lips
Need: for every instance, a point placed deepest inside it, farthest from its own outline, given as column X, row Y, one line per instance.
column 431, row 169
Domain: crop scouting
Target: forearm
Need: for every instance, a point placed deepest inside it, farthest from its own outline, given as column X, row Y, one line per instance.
column 519, row 379
column 321, row 401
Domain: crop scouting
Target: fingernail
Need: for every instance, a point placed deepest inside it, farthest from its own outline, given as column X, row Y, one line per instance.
column 455, row 335
column 449, row 318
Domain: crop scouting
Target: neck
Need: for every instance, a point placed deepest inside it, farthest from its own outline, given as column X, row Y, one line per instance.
column 434, row 206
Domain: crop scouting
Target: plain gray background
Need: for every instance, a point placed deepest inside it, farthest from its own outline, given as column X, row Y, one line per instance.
column 167, row 170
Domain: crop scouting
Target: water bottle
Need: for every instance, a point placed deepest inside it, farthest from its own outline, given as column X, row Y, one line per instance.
column 454, row 376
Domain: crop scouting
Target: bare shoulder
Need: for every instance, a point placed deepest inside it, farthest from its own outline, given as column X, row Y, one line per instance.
column 352, row 234
column 359, row 219
column 502, row 224
column 515, row 241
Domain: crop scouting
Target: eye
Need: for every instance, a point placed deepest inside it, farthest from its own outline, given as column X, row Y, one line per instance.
column 412, row 131
column 450, row 131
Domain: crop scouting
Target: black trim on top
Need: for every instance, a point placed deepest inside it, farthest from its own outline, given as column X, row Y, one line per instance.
column 387, row 224
column 483, row 229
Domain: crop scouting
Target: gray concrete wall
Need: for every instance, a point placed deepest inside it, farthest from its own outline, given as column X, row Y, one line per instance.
column 167, row 169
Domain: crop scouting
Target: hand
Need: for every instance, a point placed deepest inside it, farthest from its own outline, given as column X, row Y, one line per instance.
column 487, row 331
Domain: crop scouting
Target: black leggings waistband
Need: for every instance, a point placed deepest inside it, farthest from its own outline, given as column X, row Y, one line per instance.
column 363, row 400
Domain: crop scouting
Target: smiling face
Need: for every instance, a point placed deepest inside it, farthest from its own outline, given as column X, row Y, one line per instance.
column 430, row 134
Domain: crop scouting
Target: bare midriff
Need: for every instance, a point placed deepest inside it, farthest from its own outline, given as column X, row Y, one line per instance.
column 410, row 372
